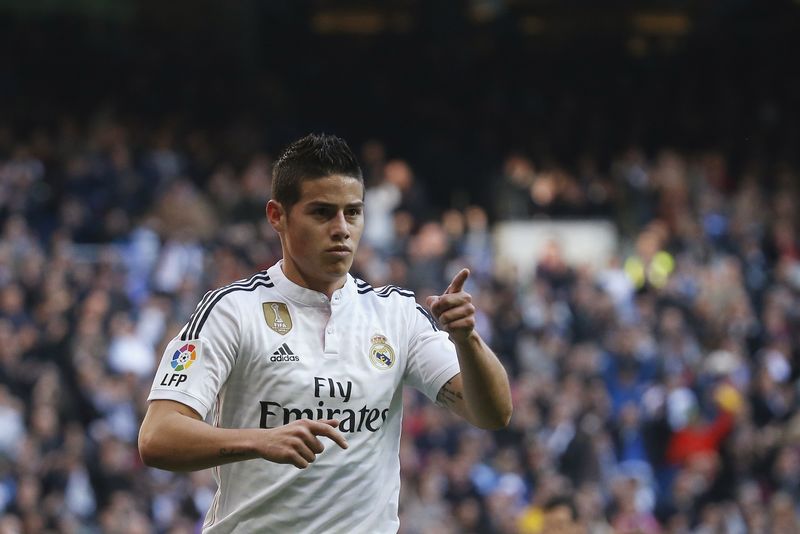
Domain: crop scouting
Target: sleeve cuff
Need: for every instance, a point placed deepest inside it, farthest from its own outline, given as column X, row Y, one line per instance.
column 179, row 396
column 441, row 379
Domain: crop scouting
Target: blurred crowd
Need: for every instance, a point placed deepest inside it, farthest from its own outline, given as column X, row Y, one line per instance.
column 658, row 393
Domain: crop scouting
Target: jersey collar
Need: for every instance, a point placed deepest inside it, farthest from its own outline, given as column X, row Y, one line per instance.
column 304, row 295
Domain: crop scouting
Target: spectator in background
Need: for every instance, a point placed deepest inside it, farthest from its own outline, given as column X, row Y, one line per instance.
column 512, row 197
column 381, row 199
column 414, row 198
column 561, row 516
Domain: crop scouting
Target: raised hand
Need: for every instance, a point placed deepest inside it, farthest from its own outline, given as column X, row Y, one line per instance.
column 453, row 309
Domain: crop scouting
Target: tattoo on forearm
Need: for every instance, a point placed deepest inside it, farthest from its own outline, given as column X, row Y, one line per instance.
column 230, row 453
column 447, row 395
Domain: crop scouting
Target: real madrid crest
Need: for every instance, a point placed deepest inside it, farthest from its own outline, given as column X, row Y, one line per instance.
column 381, row 354
column 277, row 316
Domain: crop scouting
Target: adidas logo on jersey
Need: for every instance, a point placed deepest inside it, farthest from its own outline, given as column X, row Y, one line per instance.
column 284, row 354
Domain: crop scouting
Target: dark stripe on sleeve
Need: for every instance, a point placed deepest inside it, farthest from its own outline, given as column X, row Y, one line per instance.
column 210, row 295
column 429, row 317
column 195, row 313
column 219, row 297
column 388, row 290
column 198, row 312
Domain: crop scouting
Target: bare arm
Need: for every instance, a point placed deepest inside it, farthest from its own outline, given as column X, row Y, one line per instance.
column 480, row 393
column 174, row 437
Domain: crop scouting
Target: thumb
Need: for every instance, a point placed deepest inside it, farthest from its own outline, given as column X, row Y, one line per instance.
column 458, row 281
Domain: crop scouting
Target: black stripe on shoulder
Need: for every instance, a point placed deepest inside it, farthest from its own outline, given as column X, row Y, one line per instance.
column 384, row 291
column 208, row 297
column 388, row 290
column 363, row 287
column 219, row 297
column 196, row 311
column 185, row 335
column 429, row 317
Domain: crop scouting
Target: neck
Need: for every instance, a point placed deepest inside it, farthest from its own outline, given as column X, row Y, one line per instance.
column 324, row 286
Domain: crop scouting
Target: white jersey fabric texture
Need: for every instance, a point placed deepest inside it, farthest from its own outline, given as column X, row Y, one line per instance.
column 263, row 352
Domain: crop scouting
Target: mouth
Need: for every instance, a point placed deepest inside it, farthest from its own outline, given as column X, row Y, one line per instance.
column 339, row 251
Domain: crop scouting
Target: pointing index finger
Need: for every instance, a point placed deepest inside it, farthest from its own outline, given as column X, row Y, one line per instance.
column 458, row 281
column 327, row 428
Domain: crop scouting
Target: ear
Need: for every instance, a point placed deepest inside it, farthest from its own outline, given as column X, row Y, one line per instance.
column 276, row 215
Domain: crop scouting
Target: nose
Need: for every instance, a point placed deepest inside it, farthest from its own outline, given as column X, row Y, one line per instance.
column 340, row 230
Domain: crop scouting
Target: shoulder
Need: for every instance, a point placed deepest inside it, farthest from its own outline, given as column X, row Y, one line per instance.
column 394, row 297
column 389, row 293
column 239, row 289
column 224, row 299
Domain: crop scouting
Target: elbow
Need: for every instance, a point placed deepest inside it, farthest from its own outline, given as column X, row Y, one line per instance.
column 504, row 418
column 150, row 451
column 500, row 421
column 507, row 413
column 147, row 450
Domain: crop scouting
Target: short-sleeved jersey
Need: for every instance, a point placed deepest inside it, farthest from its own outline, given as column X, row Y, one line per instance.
column 263, row 352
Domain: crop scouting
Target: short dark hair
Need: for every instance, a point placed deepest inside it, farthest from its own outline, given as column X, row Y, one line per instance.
column 309, row 158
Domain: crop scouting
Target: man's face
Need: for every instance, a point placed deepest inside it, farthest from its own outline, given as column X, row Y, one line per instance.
column 321, row 232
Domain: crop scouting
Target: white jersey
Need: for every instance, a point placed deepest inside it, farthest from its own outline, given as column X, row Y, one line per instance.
column 263, row 352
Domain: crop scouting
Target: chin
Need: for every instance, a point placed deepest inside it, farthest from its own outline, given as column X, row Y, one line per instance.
column 338, row 272
column 339, row 269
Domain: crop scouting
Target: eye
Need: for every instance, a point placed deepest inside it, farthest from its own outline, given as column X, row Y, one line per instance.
column 353, row 212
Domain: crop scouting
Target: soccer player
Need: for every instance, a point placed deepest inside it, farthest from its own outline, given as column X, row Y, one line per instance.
column 289, row 383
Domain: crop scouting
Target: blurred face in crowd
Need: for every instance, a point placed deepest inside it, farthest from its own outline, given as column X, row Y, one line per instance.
column 320, row 233
column 558, row 520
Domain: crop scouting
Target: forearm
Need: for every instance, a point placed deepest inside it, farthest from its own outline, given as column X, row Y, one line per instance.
column 485, row 387
column 178, row 442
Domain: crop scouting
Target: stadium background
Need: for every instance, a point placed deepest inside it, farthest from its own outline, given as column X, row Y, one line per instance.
column 659, row 388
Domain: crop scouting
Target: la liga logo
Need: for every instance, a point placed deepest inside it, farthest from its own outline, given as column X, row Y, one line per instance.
column 184, row 357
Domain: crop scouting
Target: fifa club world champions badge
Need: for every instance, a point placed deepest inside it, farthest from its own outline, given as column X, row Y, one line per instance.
column 381, row 354
column 277, row 316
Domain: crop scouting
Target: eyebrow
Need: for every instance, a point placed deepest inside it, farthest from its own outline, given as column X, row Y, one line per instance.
column 320, row 204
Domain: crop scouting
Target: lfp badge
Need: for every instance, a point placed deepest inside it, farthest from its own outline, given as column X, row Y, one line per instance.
column 381, row 353
column 184, row 357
